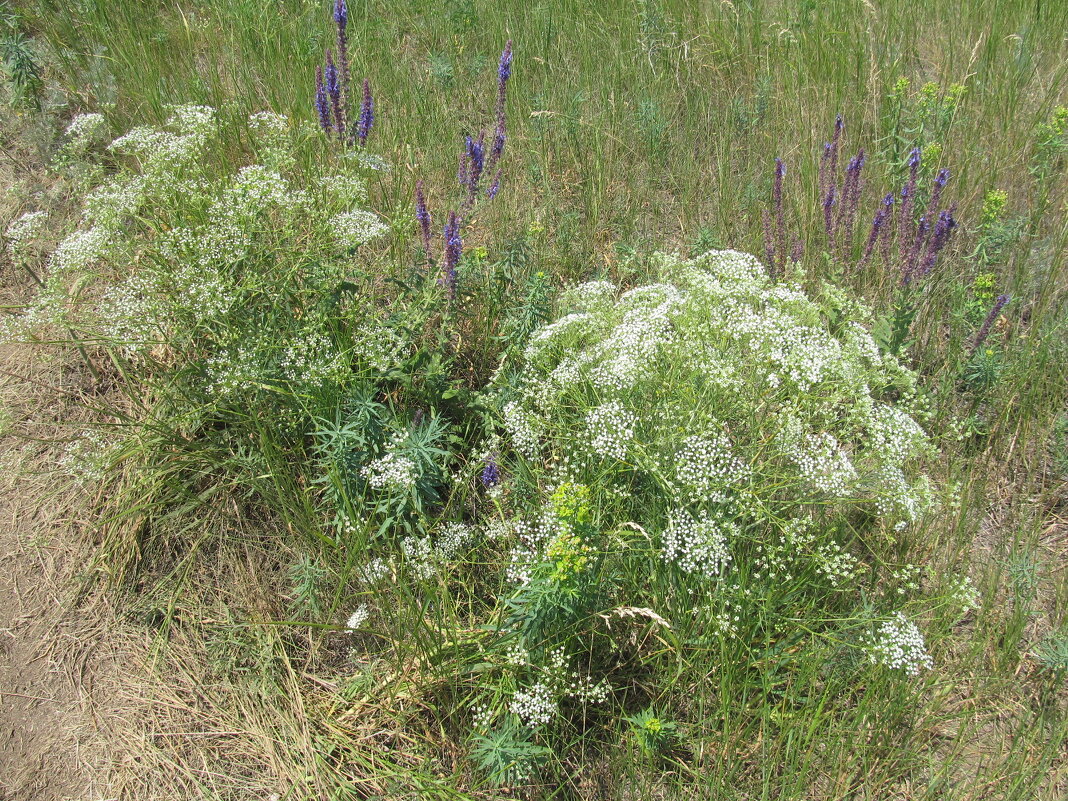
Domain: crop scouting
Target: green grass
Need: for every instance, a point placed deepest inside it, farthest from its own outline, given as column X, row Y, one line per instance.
column 634, row 127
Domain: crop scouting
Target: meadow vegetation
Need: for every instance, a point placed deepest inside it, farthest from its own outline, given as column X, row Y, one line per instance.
column 525, row 479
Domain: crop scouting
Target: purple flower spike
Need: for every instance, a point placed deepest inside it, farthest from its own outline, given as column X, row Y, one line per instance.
column 940, row 182
column 988, row 323
column 322, row 104
column 876, row 229
column 333, row 89
column 922, row 229
column 454, row 247
column 886, row 234
column 847, row 211
column 942, row 230
column 422, row 216
column 494, row 187
column 828, row 216
column 504, row 68
column 769, row 243
column 341, row 17
column 367, row 114
column 491, row 473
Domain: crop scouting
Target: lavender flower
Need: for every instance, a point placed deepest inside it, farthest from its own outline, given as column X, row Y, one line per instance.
column 914, row 252
column 847, row 210
column 942, row 230
column 940, row 182
column 769, row 243
column 422, row 216
column 454, row 246
column 908, row 192
column 988, row 323
column 322, row 105
column 877, row 225
column 491, row 473
column 475, row 153
column 504, row 68
column 504, row 72
column 333, row 89
column 824, row 176
column 887, row 232
column 828, row 219
column 367, row 114
column 341, row 14
column 341, row 17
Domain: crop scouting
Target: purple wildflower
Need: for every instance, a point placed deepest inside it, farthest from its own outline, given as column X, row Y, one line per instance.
column 504, row 72
column 940, row 182
column 877, row 225
column 333, row 89
column 422, row 216
column 322, row 105
column 494, row 187
column 825, row 161
column 839, row 126
column 475, row 152
column 887, row 232
column 942, row 230
column 914, row 252
column 988, row 323
column 367, row 114
column 769, row 243
column 491, row 473
column 828, row 218
column 341, row 17
column 798, row 251
column 847, row 211
column 454, row 247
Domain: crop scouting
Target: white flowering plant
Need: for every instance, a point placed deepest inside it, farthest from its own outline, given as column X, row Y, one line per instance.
column 244, row 312
column 728, row 453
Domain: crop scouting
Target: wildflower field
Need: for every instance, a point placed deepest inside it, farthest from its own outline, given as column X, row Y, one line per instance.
column 641, row 399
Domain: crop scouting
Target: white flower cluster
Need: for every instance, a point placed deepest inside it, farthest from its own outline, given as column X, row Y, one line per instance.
column 85, row 457
column 22, row 230
column 353, row 228
column 964, row 594
column 394, row 471
column 706, row 466
column 312, row 361
column 163, row 153
column 537, row 704
column 373, row 572
column 698, row 545
column 533, row 537
column 837, row 564
column 80, row 250
column 899, row 645
column 346, row 189
column 233, row 371
column 610, row 428
column 83, row 130
column 270, row 132
column 111, row 203
column 523, row 428
column 425, row 557
column 823, row 463
column 358, row 617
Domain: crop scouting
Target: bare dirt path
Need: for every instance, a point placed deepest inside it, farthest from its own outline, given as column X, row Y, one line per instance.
column 61, row 657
